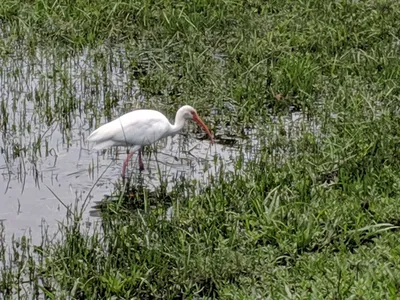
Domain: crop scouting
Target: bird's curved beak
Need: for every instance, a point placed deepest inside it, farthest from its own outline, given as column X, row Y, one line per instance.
column 197, row 119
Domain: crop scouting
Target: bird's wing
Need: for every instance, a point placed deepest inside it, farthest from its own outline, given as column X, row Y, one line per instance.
column 141, row 127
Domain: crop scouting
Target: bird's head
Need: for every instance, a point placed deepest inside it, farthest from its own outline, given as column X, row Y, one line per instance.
column 189, row 113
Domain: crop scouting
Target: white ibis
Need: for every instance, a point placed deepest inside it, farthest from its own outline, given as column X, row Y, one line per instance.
column 142, row 127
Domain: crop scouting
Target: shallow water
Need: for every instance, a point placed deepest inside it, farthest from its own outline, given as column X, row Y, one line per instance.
column 50, row 102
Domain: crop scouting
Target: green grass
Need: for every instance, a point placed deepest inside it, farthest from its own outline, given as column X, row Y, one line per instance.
column 311, row 215
column 302, row 51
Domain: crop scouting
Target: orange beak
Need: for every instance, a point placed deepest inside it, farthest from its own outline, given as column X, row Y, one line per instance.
column 197, row 119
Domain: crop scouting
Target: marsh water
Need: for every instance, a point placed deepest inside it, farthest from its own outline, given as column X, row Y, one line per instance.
column 50, row 102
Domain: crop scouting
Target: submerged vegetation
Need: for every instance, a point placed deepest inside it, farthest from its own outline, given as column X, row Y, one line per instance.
column 312, row 211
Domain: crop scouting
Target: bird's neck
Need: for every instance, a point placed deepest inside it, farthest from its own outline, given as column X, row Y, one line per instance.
column 178, row 125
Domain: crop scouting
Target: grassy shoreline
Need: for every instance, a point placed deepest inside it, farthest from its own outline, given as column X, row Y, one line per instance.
column 315, row 216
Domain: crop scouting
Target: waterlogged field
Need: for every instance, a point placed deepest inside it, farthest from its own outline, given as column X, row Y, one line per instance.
column 51, row 102
column 298, row 198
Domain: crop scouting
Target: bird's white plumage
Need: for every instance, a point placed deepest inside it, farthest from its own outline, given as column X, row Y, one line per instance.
column 136, row 128
column 142, row 127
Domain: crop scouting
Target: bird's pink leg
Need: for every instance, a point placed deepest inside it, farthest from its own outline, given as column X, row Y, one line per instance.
column 141, row 165
column 126, row 163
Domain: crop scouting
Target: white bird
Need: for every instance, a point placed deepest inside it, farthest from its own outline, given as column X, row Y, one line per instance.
column 142, row 127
